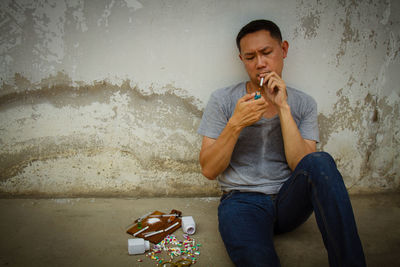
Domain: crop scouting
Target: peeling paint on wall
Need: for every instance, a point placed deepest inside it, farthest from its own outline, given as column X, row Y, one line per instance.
column 355, row 135
column 309, row 14
column 99, row 139
column 359, row 103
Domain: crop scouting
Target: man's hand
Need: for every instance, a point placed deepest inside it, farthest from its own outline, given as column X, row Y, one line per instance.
column 275, row 89
column 248, row 111
column 295, row 146
column 215, row 154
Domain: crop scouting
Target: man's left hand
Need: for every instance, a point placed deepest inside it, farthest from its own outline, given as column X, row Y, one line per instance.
column 275, row 89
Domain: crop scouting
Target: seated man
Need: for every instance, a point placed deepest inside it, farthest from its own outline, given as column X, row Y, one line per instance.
column 263, row 151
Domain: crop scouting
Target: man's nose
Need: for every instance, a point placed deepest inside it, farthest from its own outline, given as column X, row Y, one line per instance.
column 260, row 62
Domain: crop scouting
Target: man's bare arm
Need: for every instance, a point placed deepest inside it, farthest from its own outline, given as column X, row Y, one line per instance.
column 296, row 147
column 215, row 154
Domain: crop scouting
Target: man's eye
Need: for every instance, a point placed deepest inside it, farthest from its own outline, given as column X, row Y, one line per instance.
column 267, row 53
column 249, row 58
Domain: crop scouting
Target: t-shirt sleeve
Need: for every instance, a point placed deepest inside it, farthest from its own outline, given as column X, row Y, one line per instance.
column 214, row 118
column 309, row 123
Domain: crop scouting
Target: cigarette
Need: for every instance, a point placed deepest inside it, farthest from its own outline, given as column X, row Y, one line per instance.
column 262, row 81
column 153, row 233
column 164, row 215
column 172, row 226
column 138, row 232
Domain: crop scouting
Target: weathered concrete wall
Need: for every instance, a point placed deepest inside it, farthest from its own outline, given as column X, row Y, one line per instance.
column 104, row 97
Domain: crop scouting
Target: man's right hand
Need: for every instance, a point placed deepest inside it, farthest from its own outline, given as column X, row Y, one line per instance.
column 248, row 111
column 215, row 154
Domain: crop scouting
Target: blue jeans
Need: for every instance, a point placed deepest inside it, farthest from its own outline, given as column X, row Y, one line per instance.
column 248, row 221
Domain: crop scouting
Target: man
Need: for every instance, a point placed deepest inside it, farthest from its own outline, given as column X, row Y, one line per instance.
column 263, row 152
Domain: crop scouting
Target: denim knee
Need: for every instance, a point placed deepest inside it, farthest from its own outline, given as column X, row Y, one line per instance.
column 321, row 160
column 319, row 157
column 320, row 165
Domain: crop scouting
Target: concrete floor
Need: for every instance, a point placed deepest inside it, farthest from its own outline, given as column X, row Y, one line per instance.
column 91, row 232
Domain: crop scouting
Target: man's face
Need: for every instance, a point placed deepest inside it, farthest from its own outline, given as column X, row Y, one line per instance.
column 261, row 53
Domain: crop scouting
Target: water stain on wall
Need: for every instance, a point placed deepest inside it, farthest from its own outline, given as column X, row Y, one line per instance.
column 372, row 164
column 98, row 139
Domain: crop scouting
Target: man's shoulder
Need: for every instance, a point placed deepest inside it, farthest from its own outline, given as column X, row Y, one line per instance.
column 229, row 91
column 298, row 93
column 297, row 96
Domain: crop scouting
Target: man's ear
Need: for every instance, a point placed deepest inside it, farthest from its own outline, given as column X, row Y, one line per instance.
column 285, row 48
column 240, row 56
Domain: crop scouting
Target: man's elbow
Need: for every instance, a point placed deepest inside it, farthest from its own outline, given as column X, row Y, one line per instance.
column 206, row 171
column 293, row 164
column 208, row 174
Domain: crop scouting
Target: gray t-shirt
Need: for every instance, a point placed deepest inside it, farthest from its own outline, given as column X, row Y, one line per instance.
column 258, row 162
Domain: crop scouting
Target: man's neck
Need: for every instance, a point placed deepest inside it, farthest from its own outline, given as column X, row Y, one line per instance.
column 252, row 88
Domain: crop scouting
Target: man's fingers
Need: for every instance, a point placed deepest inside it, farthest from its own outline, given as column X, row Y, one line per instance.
column 272, row 86
column 259, row 105
column 272, row 77
column 247, row 97
column 271, row 74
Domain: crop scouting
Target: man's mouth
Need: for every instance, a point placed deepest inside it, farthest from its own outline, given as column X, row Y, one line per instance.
column 263, row 73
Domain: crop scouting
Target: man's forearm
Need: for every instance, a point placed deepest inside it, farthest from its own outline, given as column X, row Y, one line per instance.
column 215, row 155
column 294, row 144
column 215, row 158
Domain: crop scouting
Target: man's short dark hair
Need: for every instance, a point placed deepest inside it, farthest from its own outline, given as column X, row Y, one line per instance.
column 258, row 25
